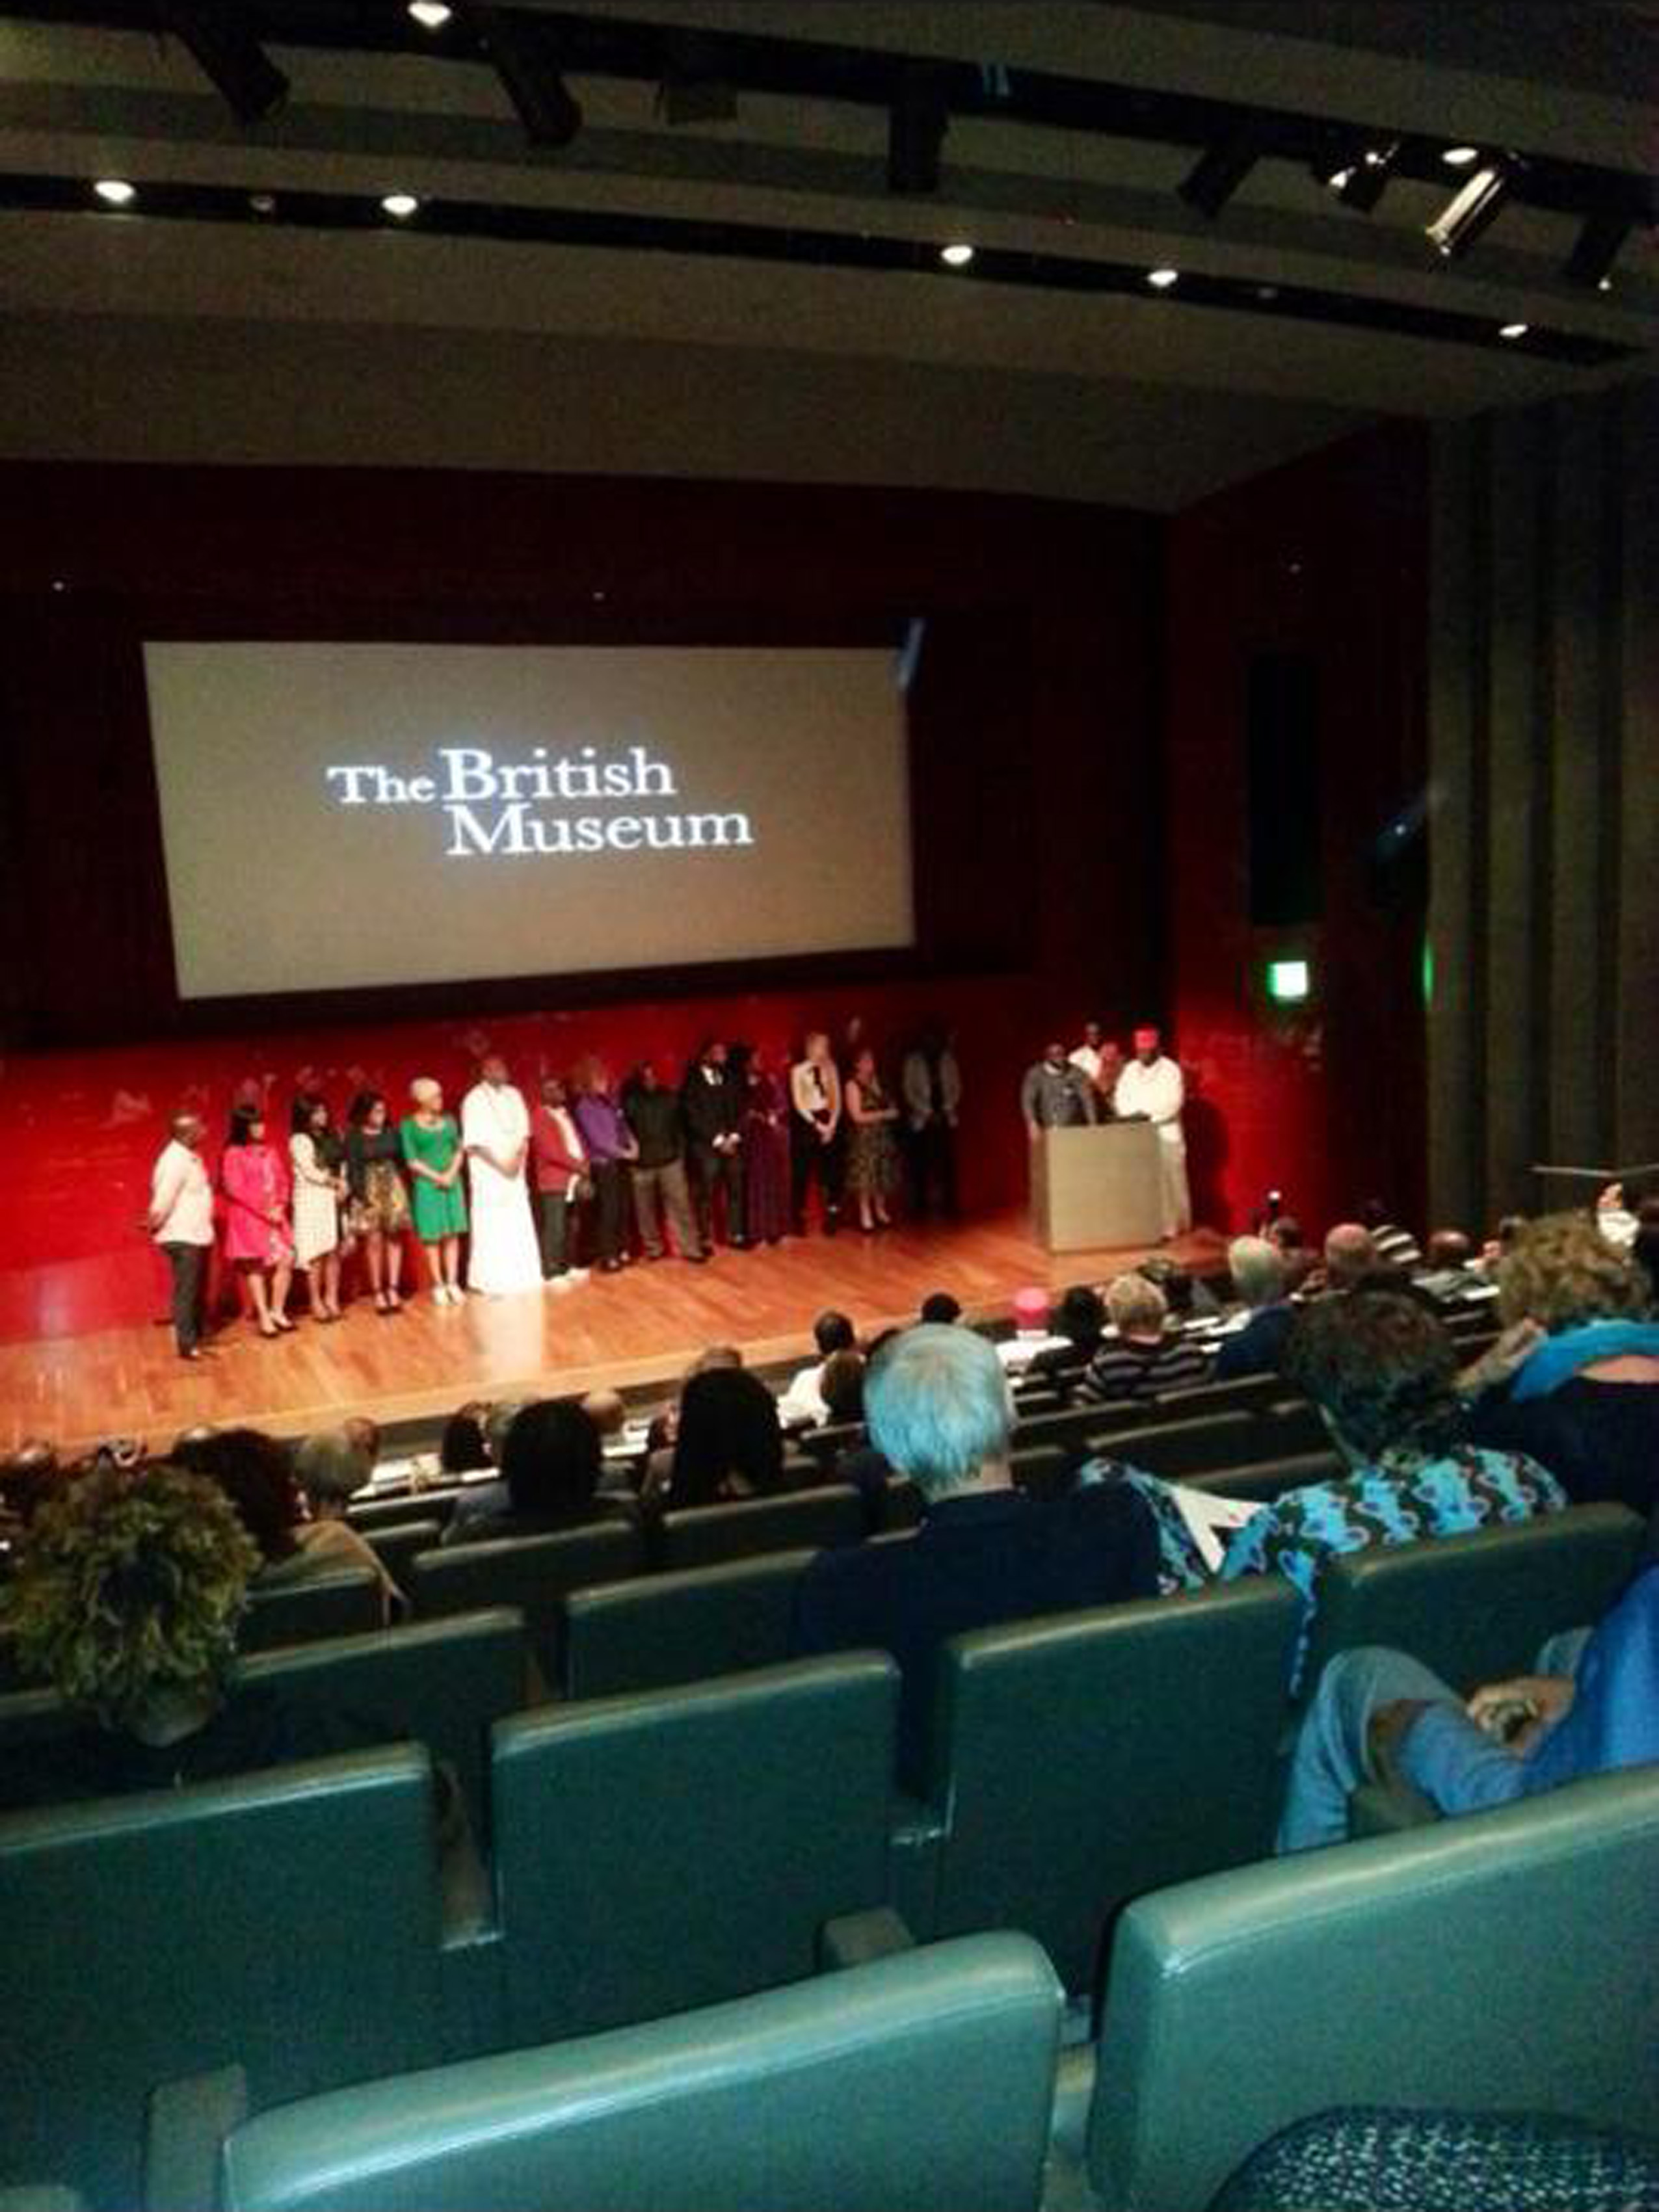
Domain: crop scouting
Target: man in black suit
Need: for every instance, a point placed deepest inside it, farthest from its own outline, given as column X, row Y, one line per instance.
column 938, row 1409
column 714, row 1115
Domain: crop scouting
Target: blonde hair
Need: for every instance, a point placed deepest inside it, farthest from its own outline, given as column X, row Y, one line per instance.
column 1561, row 1271
column 424, row 1088
column 1133, row 1303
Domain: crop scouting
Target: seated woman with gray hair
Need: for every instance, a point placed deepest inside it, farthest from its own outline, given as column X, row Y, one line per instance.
column 126, row 1599
column 1145, row 1355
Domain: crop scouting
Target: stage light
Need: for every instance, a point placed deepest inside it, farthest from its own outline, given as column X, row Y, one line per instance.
column 116, row 191
column 917, row 123
column 1590, row 262
column 957, row 255
column 1289, row 981
column 229, row 56
column 1363, row 182
column 1514, row 329
column 430, row 14
column 525, row 57
column 400, row 205
column 1161, row 279
column 1459, row 157
column 1475, row 206
column 1221, row 169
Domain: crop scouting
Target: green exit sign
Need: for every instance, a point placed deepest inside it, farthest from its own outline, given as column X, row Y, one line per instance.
column 1288, row 981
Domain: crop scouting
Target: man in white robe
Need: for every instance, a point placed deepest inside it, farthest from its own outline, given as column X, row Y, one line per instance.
column 496, row 1136
column 1151, row 1088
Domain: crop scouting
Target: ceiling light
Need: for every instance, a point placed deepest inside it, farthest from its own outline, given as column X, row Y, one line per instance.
column 430, row 14
column 401, row 205
column 1459, row 157
column 116, row 191
column 1221, row 169
column 1590, row 262
column 1472, row 209
column 525, row 57
column 917, row 122
column 229, row 56
column 957, row 255
column 1514, row 329
column 1161, row 279
column 1363, row 182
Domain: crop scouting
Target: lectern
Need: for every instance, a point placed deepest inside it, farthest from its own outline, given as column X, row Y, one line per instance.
column 1095, row 1186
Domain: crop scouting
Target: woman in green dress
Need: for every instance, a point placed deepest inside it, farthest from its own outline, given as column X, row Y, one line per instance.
column 432, row 1146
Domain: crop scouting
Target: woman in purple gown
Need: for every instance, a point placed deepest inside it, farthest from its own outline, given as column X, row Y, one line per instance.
column 765, row 1146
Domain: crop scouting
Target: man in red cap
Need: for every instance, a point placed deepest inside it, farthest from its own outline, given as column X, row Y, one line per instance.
column 1150, row 1089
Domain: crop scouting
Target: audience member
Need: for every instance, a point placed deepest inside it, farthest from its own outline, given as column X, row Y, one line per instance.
column 939, row 1309
column 551, row 1460
column 1351, row 1257
column 1574, row 1382
column 1592, row 1705
column 727, row 1445
column 255, row 1473
column 1448, row 1249
column 843, row 1384
column 331, row 1469
column 1257, row 1269
column 801, row 1406
column 1394, row 1246
column 1080, row 1320
column 481, row 1505
column 1146, row 1356
column 29, row 1475
column 461, row 1448
column 940, row 1410
column 1187, row 1298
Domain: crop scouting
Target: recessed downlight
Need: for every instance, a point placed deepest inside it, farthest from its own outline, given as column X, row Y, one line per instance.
column 116, row 191
column 430, row 14
column 1459, row 157
column 400, row 205
column 1161, row 279
column 1514, row 329
column 958, row 254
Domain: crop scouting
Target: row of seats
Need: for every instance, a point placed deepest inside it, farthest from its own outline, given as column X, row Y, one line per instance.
column 673, row 1848
column 1502, row 1960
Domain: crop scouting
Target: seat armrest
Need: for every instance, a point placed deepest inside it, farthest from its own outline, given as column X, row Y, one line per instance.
column 188, row 2121
column 858, row 1939
column 1379, row 1808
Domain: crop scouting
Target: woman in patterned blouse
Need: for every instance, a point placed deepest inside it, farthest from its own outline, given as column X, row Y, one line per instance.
column 1382, row 1370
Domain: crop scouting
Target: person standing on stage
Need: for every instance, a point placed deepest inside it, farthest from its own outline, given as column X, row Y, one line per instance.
column 504, row 1256
column 872, row 1155
column 931, row 1084
column 1150, row 1089
column 558, row 1173
column 766, row 1164
column 377, row 1208
column 1086, row 1055
column 1055, row 1095
column 257, row 1243
column 660, row 1185
column 815, row 1131
column 432, row 1148
column 610, row 1145
column 181, row 1220
column 319, row 1188
column 714, row 1118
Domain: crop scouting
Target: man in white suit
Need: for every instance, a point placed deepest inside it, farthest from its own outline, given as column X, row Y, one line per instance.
column 1150, row 1089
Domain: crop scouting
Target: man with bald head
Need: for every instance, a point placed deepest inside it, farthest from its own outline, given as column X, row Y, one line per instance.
column 181, row 1220
column 1151, row 1089
column 1350, row 1257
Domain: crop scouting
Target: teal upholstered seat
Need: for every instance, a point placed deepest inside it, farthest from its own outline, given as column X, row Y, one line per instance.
column 922, row 2084
column 343, row 1604
column 1503, row 1959
column 805, row 1520
column 682, row 1847
column 662, row 1629
column 532, row 1574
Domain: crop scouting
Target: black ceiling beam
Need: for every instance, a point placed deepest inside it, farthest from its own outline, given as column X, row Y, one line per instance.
column 815, row 70
column 801, row 247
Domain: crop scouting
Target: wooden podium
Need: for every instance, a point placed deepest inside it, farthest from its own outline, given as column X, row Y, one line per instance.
column 1096, row 1186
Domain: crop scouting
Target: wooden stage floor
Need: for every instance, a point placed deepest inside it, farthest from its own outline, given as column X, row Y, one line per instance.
column 638, row 1328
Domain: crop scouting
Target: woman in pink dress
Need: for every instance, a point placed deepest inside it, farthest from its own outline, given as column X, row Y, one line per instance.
column 258, row 1241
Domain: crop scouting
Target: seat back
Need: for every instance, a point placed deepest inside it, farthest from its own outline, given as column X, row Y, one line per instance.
column 805, row 1520
column 1500, row 1958
column 344, row 1604
column 1045, row 1471
column 1178, row 1449
column 1250, row 1393
column 1475, row 1608
column 373, row 1514
column 398, row 1546
column 685, row 1846
column 287, row 1922
column 532, row 1574
column 1268, row 1478
column 824, row 1445
column 1071, row 1428
column 661, row 1629
column 1083, row 1759
column 922, row 2082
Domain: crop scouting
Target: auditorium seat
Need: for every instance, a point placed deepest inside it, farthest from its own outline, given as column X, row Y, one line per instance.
column 397, row 1545
column 343, row 1604
column 1251, row 1394
column 1178, row 1449
column 1266, row 1479
column 825, row 1444
column 533, row 1574
column 922, row 2084
column 663, row 1629
column 1503, row 1959
column 1044, row 1471
column 288, row 1923
column 1079, row 1760
column 370, row 1514
column 1476, row 1607
column 808, row 1519
column 685, row 1846
column 1073, row 1427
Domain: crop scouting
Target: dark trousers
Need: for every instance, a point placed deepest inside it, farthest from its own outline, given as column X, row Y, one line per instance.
column 605, row 1217
column 187, row 1264
column 711, row 1170
column 808, row 1157
column 930, row 1158
column 660, row 1190
column 553, row 1226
